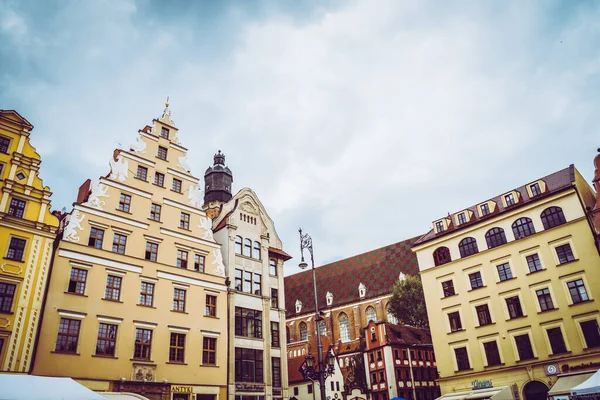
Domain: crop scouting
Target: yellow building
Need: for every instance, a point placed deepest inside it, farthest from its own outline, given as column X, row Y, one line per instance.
column 27, row 234
column 138, row 301
column 513, row 291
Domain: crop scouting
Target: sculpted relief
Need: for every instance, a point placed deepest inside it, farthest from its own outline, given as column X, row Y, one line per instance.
column 139, row 146
column 119, row 169
column 195, row 196
column 184, row 164
column 206, row 224
column 98, row 195
column 70, row 233
column 218, row 261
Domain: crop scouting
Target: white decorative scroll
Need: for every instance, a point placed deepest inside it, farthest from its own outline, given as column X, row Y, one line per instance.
column 220, row 269
column 184, row 164
column 195, row 196
column 70, row 233
column 118, row 169
column 139, row 146
column 206, row 224
column 99, row 193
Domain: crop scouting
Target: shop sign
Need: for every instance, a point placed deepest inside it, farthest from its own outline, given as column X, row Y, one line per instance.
column 249, row 387
column 182, row 389
column 551, row 369
column 515, row 390
column 477, row 384
column 590, row 365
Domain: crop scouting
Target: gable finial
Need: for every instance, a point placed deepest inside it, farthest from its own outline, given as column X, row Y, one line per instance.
column 167, row 102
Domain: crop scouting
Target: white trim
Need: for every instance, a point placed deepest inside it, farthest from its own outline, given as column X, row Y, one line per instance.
column 121, row 230
column 104, row 214
column 111, row 320
column 153, row 238
column 178, row 147
column 98, row 224
column 179, row 330
column 4, row 278
column 183, row 247
column 142, row 325
column 180, row 286
column 148, row 280
column 149, row 136
column 342, row 307
column 183, row 175
column 113, row 272
column 211, row 291
column 183, row 207
column 79, row 265
column 71, row 314
column 98, row 260
column 169, row 232
column 210, row 334
column 191, row 281
column 125, row 188
column 133, row 157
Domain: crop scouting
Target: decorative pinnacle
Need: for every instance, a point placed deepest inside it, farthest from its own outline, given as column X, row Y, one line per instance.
column 167, row 102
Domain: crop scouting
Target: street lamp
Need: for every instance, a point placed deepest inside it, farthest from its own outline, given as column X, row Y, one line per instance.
column 324, row 369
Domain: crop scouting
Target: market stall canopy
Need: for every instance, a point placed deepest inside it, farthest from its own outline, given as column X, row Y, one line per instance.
column 565, row 383
column 499, row 393
column 30, row 387
column 590, row 386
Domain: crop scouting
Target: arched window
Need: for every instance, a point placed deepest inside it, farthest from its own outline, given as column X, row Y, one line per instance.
column 523, row 227
column 553, row 216
column 344, row 328
column 256, row 251
column 238, row 245
column 441, row 256
column 287, row 334
column 495, row 237
column 468, row 247
column 248, row 247
column 371, row 314
column 322, row 327
column 391, row 318
column 303, row 331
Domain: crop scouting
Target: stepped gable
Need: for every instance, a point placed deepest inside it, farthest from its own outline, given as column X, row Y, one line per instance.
column 377, row 269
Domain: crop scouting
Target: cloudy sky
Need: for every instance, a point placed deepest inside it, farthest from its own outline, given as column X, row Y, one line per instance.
column 360, row 121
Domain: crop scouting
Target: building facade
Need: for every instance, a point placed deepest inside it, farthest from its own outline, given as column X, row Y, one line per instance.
column 27, row 234
column 512, row 290
column 400, row 362
column 137, row 300
column 253, row 259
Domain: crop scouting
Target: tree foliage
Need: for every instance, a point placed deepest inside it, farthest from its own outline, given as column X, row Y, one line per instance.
column 408, row 302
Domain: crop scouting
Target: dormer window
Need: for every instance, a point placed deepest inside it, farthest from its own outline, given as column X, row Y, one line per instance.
column 401, row 277
column 461, row 218
column 484, row 209
column 329, row 298
column 362, row 290
column 509, row 199
column 535, row 189
column 164, row 133
column 298, row 306
column 439, row 226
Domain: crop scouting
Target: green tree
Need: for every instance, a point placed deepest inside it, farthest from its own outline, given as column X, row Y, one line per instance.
column 408, row 302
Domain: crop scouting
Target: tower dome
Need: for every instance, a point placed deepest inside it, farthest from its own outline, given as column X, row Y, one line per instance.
column 217, row 181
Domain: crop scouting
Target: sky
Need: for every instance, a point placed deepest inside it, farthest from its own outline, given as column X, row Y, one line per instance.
column 361, row 121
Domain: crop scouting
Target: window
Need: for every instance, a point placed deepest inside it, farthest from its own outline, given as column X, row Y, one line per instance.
column 238, row 280
column 310, row 388
column 344, row 328
column 485, row 209
column 248, row 365
column 77, row 281
column 274, row 298
column 119, row 242
column 176, row 186
column 256, row 251
column 151, row 251
column 211, row 306
column 552, row 216
column 461, row 218
column 159, row 179
column 462, row 359
column 247, row 247
column 256, row 287
column 504, row 271
column 107, row 339
column 491, row 353
column 247, row 282
column 577, row 291
column 275, row 334
column 454, row 319
column 4, row 143
column 564, row 253
column 142, row 173
column 146, row 294
column 276, row 371
column 513, row 304
column 182, row 257
column 178, row 300
column 448, row 288
column 523, row 227
column 155, row 212
column 124, row 202
column 68, row 335
column 177, row 347
column 524, row 347
column 199, row 263
column 162, row 153
column 164, row 133
column 557, row 341
column 535, row 189
column 303, row 331
column 322, row 327
column 184, row 221
column 96, row 236
column 143, row 344
column 476, row 280
column 16, row 208
column 441, row 256
column 544, row 299
column 483, row 314
column 533, row 262
column 7, row 294
column 248, row 322
column 113, row 288
column 296, row 391
column 209, row 351
column 467, row 247
column 439, row 226
column 510, row 200
column 591, row 333
column 272, row 267
column 238, row 245
column 371, row 314
column 495, row 237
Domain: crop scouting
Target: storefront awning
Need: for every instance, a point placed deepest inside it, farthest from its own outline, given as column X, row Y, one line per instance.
column 27, row 387
column 590, row 386
column 499, row 393
column 565, row 383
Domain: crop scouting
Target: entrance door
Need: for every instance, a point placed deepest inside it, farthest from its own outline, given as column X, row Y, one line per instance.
column 181, row 396
column 535, row 390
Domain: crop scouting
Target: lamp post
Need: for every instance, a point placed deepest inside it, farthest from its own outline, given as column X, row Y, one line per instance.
column 324, row 370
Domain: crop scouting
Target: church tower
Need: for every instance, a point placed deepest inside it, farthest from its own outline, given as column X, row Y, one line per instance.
column 217, row 185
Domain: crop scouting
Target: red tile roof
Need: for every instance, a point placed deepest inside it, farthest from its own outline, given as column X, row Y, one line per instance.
column 407, row 335
column 555, row 182
column 377, row 269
